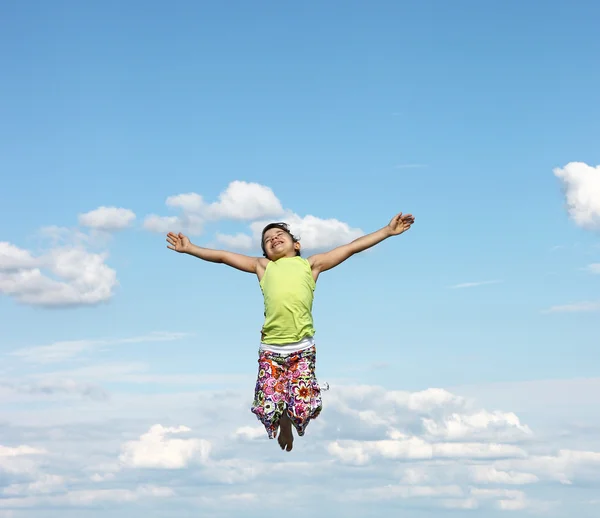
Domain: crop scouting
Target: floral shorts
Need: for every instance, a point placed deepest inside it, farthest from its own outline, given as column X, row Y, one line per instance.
column 287, row 382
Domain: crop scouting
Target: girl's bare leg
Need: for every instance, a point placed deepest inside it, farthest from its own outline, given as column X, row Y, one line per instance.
column 286, row 436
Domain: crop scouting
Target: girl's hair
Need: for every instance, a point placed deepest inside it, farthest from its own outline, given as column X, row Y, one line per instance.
column 283, row 226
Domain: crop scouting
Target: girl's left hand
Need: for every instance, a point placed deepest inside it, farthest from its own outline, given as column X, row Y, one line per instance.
column 400, row 223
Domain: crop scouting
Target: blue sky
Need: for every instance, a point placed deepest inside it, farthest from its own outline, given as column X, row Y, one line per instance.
column 481, row 121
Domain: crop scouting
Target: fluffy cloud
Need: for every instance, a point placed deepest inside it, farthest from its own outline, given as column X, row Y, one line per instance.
column 565, row 467
column 19, row 461
column 107, row 218
column 14, row 259
column 240, row 201
column 581, row 184
column 86, row 279
column 245, row 201
column 314, row 233
column 501, row 425
column 491, row 475
column 416, row 448
column 189, row 202
column 432, row 449
column 156, row 450
column 252, row 202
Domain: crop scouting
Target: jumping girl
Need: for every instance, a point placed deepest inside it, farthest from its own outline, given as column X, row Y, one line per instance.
column 287, row 392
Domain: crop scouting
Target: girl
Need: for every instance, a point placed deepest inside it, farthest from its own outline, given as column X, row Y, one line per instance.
column 287, row 392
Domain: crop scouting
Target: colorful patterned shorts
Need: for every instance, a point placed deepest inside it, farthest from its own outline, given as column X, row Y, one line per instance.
column 287, row 382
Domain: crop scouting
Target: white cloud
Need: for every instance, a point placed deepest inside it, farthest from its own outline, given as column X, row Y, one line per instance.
column 245, row 201
column 61, row 236
column 107, row 218
column 398, row 465
column 187, row 223
column 189, row 202
column 241, row 201
column 509, row 499
column 513, row 505
column 461, row 503
column 239, row 241
column 190, row 221
column 98, row 477
column 593, row 268
column 581, row 183
column 564, row 467
column 498, row 493
column 162, row 224
column 505, row 425
column 424, row 400
column 86, row 279
column 16, row 451
column 473, row 284
column 416, row 448
column 415, row 476
column 63, row 350
column 44, row 484
column 20, row 460
column 314, row 233
column 490, row 475
column 391, row 492
column 13, row 258
column 579, row 307
column 156, row 450
column 253, row 202
column 349, row 453
column 249, row 432
column 54, row 387
column 87, row 497
column 242, row 498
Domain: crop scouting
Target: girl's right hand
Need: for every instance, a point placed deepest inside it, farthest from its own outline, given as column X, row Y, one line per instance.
column 178, row 242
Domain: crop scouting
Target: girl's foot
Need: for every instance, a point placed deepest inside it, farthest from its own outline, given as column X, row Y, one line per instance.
column 286, row 437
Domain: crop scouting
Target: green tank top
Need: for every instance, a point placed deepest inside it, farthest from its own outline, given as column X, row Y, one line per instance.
column 288, row 290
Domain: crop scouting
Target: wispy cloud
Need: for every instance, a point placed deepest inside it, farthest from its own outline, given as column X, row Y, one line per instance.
column 60, row 351
column 473, row 284
column 578, row 307
column 136, row 373
column 53, row 387
column 593, row 268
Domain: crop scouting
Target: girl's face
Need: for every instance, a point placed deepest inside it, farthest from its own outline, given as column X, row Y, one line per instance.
column 278, row 243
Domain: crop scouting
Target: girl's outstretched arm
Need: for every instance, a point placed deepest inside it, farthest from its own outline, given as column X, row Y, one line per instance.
column 183, row 245
column 326, row 261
